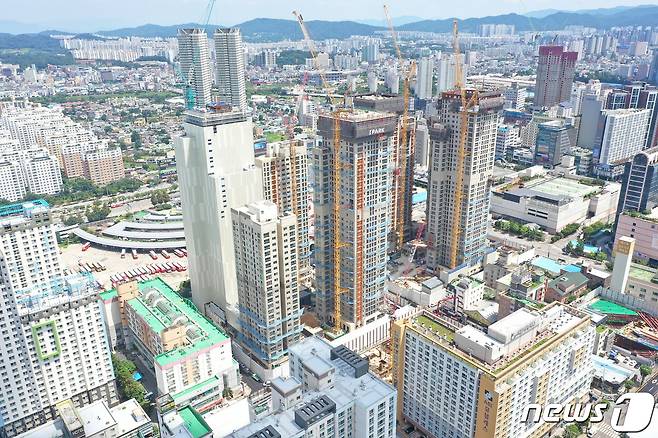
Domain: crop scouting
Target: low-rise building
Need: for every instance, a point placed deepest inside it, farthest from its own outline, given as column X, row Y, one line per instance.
column 468, row 294
column 330, row 393
column 96, row 420
column 555, row 202
column 190, row 356
column 566, row 287
column 642, row 282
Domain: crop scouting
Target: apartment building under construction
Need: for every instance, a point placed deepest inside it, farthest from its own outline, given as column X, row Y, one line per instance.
column 284, row 169
column 363, row 186
column 467, row 225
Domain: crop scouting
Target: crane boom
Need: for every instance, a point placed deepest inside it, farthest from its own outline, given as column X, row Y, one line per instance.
column 336, row 176
column 211, row 5
column 403, row 139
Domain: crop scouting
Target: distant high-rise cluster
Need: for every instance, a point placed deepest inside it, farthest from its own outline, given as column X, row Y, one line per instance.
column 39, row 144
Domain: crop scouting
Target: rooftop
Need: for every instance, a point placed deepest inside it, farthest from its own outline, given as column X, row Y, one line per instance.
column 548, row 323
column 22, row 208
column 201, row 332
column 563, row 187
column 610, row 308
column 643, row 273
column 363, row 391
column 194, row 422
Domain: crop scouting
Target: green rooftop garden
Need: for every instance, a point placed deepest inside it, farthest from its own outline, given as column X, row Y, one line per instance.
column 435, row 327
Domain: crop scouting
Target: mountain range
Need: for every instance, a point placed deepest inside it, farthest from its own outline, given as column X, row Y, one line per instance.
column 268, row 29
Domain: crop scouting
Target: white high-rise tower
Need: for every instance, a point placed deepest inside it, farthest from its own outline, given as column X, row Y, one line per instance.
column 216, row 172
column 424, row 81
column 195, row 67
column 230, row 67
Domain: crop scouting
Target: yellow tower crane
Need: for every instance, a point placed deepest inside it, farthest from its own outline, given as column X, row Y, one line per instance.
column 336, row 115
column 466, row 104
column 404, row 136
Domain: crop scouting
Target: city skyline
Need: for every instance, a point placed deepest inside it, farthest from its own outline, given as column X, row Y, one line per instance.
column 77, row 16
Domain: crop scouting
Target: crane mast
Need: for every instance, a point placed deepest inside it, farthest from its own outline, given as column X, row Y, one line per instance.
column 336, row 114
column 465, row 106
column 403, row 140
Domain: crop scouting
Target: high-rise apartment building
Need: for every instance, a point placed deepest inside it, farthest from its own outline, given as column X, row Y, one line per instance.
column 103, row 166
column 458, row 381
column 364, row 202
column 445, row 72
column 637, row 95
column 639, row 190
column 480, row 148
column 422, row 146
column 284, row 169
column 620, row 135
column 12, row 185
column 29, row 170
column 42, row 174
column 425, row 78
column 330, row 393
column 371, row 53
column 555, row 73
column 210, row 185
column 267, row 270
column 230, row 67
column 54, row 346
column 195, row 69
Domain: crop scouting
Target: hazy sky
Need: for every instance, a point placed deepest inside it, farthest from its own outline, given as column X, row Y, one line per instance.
column 86, row 15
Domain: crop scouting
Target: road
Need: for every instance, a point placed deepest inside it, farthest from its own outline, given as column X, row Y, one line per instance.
column 80, row 206
column 651, row 386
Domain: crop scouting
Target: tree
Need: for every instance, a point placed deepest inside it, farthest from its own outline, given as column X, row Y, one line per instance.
column 160, row 197
column 136, row 140
column 645, row 370
column 571, row 431
column 185, row 289
column 73, row 220
column 227, row 393
column 97, row 212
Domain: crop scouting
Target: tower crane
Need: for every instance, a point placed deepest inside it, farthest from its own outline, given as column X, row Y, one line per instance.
column 466, row 104
column 404, row 143
column 336, row 114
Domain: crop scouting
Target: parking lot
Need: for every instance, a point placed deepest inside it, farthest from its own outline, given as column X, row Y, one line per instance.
column 73, row 255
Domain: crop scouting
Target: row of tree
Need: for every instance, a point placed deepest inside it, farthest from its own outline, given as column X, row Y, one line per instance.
column 128, row 386
column 519, row 229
